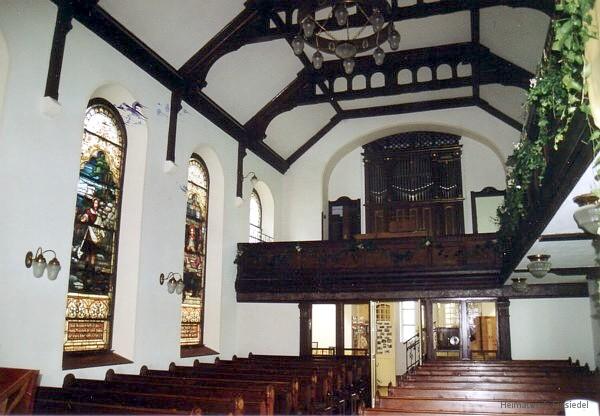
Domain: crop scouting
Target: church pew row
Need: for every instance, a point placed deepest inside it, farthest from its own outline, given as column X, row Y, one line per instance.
column 277, row 386
column 265, row 396
column 285, row 393
column 500, row 387
column 161, row 402
column 470, row 406
column 341, row 393
column 478, row 394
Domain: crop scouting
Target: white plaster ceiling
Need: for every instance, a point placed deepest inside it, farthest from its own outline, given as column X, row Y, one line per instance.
column 509, row 100
column 290, row 130
column 244, row 81
column 515, row 34
column 176, row 30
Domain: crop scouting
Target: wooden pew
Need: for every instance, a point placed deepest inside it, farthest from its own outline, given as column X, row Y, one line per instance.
column 470, row 406
column 504, row 395
column 460, row 385
column 313, row 391
column 227, row 406
column 286, row 393
column 207, row 392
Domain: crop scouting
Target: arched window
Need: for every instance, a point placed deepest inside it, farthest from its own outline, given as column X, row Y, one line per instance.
column 93, row 271
column 194, row 266
column 256, row 232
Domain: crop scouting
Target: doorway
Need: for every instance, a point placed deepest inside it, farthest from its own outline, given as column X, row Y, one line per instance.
column 463, row 330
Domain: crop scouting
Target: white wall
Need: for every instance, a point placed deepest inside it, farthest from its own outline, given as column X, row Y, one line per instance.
column 544, row 329
column 265, row 328
column 39, row 164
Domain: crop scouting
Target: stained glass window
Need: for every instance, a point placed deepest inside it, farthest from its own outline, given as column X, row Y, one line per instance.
column 194, row 267
column 256, row 234
column 90, row 298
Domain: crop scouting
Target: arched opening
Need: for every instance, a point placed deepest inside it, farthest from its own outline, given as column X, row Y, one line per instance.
column 267, row 204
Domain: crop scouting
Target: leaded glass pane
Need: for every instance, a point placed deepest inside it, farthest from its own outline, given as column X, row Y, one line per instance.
column 256, row 234
column 194, row 267
column 94, row 249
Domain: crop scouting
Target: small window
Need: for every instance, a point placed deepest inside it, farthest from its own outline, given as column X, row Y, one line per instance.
column 256, row 231
column 194, row 266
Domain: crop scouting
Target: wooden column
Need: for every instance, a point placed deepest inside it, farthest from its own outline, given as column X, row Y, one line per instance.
column 339, row 329
column 305, row 329
column 176, row 97
column 61, row 28
column 429, row 328
column 464, row 331
column 240, row 170
column 502, row 311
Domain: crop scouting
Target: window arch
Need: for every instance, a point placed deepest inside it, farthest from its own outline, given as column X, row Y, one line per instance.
column 194, row 266
column 93, row 268
column 256, row 231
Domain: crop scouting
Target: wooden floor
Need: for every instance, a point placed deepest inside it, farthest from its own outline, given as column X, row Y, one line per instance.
column 488, row 388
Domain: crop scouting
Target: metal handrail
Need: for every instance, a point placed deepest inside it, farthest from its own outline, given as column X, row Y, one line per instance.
column 414, row 356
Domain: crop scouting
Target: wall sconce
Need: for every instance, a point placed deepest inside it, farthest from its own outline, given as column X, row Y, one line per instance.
column 254, row 180
column 38, row 264
column 539, row 265
column 519, row 284
column 173, row 285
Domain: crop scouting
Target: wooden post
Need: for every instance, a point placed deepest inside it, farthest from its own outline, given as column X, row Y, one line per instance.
column 305, row 329
column 240, row 170
column 61, row 28
column 339, row 329
column 176, row 97
column 503, row 313
column 429, row 329
column 464, row 331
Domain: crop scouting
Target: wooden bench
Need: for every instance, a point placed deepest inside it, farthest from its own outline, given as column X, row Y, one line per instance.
column 265, row 395
column 167, row 402
column 286, row 392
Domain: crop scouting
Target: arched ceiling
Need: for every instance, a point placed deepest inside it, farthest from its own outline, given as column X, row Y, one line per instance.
column 231, row 61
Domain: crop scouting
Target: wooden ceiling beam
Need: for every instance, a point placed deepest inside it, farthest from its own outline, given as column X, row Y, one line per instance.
column 96, row 19
column 303, row 89
column 399, row 14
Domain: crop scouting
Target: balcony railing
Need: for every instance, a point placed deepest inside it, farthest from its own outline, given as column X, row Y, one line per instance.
column 412, row 263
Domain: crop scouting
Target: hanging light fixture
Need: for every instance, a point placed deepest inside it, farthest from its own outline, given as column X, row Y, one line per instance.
column 587, row 216
column 539, row 265
column 335, row 36
column 519, row 284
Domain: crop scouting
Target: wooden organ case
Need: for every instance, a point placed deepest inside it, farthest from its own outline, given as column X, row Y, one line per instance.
column 413, row 184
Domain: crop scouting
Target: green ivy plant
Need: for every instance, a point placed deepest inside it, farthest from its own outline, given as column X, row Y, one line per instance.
column 557, row 93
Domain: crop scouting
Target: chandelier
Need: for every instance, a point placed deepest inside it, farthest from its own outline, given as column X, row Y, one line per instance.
column 335, row 36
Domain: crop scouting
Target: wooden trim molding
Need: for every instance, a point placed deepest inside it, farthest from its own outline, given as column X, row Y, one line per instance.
column 503, row 314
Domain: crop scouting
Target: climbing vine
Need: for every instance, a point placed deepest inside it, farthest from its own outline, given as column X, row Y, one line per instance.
column 556, row 94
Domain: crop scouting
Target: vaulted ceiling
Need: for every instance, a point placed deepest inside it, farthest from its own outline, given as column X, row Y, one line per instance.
column 231, row 61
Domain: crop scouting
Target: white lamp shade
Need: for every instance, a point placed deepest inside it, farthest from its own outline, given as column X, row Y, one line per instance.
column 587, row 218
column 38, row 266
column 53, row 269
column 171, row 285
column 179, row 287
column 539, row 265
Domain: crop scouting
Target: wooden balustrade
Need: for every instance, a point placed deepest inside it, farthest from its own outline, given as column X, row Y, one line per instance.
column 466, row 261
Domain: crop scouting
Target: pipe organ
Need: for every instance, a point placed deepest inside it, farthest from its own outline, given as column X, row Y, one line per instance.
column 413, row 184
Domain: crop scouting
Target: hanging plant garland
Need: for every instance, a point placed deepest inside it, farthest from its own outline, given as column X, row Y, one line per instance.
column 557, row 93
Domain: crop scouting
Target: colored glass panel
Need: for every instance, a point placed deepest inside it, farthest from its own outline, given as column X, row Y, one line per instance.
column 194, row 267
column 94, row 248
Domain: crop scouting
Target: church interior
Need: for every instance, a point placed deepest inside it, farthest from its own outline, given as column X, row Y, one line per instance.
column 289, row 206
